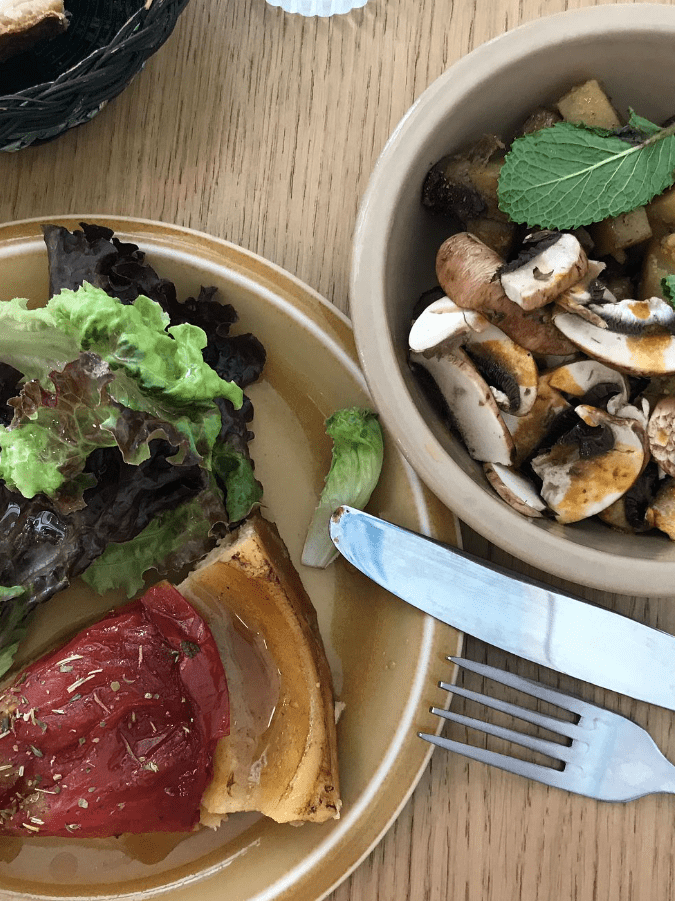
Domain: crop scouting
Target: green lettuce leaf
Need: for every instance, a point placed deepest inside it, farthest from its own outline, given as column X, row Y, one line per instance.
column 242, row 490
column 52, row 434
column 358, row 452
column 130, row 362
column 134, row 338
column 31, row 342
column 171, row 540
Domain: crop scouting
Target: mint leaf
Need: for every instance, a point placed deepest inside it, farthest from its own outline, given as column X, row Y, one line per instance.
column 639, row 123
column 570, row 175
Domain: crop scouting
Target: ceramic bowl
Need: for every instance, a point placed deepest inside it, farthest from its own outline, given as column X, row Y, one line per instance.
column 628, row 48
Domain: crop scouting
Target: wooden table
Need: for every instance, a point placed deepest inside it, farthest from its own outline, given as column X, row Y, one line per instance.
column 262, row 128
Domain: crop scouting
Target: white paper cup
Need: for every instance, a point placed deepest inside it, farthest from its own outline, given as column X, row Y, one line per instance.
column 318, row 7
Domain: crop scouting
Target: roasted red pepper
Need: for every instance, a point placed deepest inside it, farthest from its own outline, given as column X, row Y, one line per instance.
column 115, row 732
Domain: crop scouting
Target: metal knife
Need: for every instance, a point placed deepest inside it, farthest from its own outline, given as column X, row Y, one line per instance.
column 509, row 611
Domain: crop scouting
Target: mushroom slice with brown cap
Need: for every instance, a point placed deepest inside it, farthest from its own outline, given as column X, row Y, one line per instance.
column 508, row 369
column 468, row 271
column 471, row 404
column 552, row 361
column 592, row 466
column 639, row 338
column 515, row 488
column 544, row 270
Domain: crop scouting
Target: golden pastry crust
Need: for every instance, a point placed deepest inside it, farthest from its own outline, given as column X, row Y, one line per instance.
column 24, row 23
column 292, row 773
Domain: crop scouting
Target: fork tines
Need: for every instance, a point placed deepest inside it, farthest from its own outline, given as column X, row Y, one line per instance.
column 551, row 749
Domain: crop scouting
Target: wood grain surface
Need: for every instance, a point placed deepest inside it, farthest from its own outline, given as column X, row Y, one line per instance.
column 262, row 128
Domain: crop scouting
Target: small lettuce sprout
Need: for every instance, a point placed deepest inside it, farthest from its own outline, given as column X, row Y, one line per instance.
column 354, row 472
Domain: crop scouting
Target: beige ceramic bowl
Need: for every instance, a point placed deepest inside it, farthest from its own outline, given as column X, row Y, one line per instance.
column 629, row 48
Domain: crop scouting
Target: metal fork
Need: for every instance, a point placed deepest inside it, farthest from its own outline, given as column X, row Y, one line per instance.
column 610, row 757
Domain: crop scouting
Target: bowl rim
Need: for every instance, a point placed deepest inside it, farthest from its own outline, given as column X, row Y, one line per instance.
column 510, row 531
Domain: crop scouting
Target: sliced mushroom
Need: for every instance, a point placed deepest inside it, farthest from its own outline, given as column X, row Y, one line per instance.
column 590, row 380
column 514, row 488
column 634, row 316
column 638, row 339
column 592, row 466
column 534, row 330
column 661, row 512
column 542, row 272
column 530, row 431
column 587, row 290
column 508, row 369
column 468, row 271
column 639, row 411
column 552, row 361
column 630, row 513
column 506, row 365
column 471, row 404
column 443, row 323
column 661, row 434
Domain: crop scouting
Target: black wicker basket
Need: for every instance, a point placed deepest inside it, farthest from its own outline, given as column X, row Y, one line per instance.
column 65, row 81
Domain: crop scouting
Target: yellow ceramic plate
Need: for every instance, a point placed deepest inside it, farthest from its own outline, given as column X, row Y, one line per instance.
column 386, row 657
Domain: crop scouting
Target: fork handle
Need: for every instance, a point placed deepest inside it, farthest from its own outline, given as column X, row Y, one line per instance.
column 645, row 773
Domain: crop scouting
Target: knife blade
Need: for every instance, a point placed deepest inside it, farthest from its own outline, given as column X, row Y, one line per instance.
column 510, row 611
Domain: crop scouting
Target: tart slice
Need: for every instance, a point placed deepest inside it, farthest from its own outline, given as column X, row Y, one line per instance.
column 25, row 22
column 179, row 708
column 281, row 761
